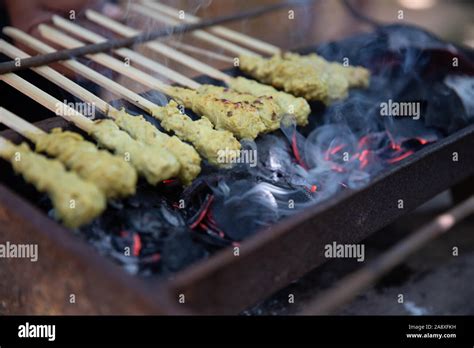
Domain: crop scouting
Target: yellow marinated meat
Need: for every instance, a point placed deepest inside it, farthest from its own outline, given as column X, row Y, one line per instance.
column 112, row 174
column 288, row 103
column 142, row 130
column 357, row 76
column 208, row 141
column 310, row 77
column 267, row 108
column 301, row 81
column 241, row 119
column 153, row 162
column 76, row 202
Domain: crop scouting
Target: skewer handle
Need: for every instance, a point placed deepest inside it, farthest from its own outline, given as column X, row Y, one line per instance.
column 18, row 124
column 230, row 34
column 103, row 59
column 200, row 34
column 48, row 101
column 82, row 70
column 135, row 57
column 157, row 46
column 57, row 78
column 201, row 51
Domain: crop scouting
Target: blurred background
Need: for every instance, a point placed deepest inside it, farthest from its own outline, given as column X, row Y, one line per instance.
column 330, row 20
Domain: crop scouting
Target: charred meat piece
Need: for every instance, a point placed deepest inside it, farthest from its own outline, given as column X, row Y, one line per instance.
column 245, row 116
column 287, row 103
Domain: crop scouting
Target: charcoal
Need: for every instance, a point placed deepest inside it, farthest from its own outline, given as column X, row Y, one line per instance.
column 179, row 250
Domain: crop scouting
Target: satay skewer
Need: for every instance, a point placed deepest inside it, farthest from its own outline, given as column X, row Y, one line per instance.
column 243, row 120
column 166, row 146
column 143, row 157
column 264, row 105
column 75, row 201
column 114, row 176
column 201, row 51
column 201, row 133
column 309, row 76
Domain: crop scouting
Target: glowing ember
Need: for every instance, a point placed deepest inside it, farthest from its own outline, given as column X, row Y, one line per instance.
column 296, row 152
column 203, row 212
column 137, row 244
column 401, row 157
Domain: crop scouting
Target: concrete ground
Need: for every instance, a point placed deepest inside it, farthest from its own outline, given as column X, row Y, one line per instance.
column 432, row 281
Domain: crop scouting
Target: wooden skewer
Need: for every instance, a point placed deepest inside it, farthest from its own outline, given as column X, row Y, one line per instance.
column 126, row 53
column 200, row 51
column 19, row 125
column 155, row 45
column 89, row 35
column 60, row 80
column 103, row 59
column 48, row 101
column 200, row 34
column 233, row 35
column 81, row 69
column 84, row 71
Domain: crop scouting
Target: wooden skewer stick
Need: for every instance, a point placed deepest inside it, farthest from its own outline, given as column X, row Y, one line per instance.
column 84, row 71
column 91, row 36
column 103, row 59
column 233, row 35
column 155, row 45
column 48, row 101
column 60, row 80
column 201, row 51
column 81, row 69
column 19, row 125
column 57, row 78
column 126, row 53
column 200, row 34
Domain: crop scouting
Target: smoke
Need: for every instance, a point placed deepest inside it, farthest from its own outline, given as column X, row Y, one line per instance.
column 348, row 144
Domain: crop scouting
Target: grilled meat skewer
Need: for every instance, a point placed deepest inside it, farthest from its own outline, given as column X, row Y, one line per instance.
column 76, row 202
column 112, row 174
